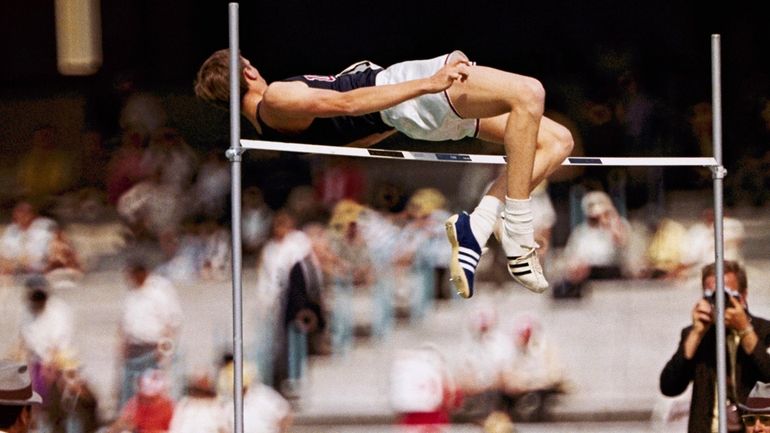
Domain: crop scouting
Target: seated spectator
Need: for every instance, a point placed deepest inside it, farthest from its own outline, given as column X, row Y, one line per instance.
column 211, row 189
column 199, row 411
column 264, row 409
column 153, row 208
column 63, row 267
column 663, row 255
column 596, row 247
column 169, row 154
column 422, row 392
column 216, row 254
column 698, row 244
column 534, row 364
column 26, row 242
column 71, row 406
column 47, row 168
column 150, row 410
column 256, row 220
column 125, row 167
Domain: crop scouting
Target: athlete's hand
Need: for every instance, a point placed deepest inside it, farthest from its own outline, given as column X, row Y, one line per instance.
column 456, row 70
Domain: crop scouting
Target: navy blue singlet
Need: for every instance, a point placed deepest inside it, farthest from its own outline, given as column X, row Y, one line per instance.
column 332, row 130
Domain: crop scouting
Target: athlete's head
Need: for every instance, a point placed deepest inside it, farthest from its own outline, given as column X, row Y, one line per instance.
column 213, row 81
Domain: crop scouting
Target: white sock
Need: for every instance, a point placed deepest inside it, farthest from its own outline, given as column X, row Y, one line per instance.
column 518, row 225
column 484, row 217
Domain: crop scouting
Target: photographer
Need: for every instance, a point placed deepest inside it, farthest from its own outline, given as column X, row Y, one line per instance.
column 747, row 342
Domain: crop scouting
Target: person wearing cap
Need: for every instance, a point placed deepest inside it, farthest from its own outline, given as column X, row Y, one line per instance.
column 747, row 340
column 16, row 397
column 596, row 247
column 756, row 410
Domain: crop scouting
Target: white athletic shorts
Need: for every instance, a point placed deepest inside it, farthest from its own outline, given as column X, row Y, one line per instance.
column 428, row 117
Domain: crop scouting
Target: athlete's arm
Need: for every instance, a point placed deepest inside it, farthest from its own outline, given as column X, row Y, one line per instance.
column 296, row 100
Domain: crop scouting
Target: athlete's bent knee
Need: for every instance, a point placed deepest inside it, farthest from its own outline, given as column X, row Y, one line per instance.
column 564, row 143
column 532, row 96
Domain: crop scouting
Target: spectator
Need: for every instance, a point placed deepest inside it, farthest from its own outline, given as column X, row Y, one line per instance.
column 72, row 406
column 26, row 242
column 287, row 246
column 216, row 254
column 532, row 371
column 341, row 178
column 16, row 397
column 756, row 411
column 47, row 331
column 153, row 208
column 212, row 186
column 226, row 374
column 150, row 325
column 482, row 358
column 596, row 247
column 63, row 266
column 199, row 411
column 423, row 258
column 47, row 168
column 748, row 338
column 150, row 410
column 169, row 155
column 256, row 219
column 353, row 274
column 125, row 168
column 264, row 410
column 698, row 248
column 422, row 390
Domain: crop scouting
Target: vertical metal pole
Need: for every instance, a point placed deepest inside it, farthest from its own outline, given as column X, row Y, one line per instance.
column 718, row 174
column 234, row 154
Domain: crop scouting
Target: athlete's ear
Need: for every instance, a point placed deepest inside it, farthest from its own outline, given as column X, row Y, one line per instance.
column 250, row 72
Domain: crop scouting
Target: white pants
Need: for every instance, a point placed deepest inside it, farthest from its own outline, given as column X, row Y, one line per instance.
column 428, row 117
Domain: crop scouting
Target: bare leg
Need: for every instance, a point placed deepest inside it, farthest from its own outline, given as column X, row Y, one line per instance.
column 554, row 144
column 489, row 92
column 512, row 108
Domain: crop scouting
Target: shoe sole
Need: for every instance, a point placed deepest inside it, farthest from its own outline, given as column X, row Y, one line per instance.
column 457, row 275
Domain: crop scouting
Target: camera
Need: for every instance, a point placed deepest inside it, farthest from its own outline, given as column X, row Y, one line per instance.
column 711, row 296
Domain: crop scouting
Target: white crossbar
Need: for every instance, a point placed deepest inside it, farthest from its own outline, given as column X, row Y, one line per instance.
column 472, row 158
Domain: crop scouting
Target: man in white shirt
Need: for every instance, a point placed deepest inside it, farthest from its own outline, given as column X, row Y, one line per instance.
column 25, row 243
column 152, row 316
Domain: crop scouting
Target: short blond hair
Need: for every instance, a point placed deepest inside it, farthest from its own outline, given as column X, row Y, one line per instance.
column 212, row 83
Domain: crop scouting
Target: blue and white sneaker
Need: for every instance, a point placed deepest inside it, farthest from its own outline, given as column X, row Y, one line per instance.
column 466, row 253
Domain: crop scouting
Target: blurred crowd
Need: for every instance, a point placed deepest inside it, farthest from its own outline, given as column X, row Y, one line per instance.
column 335, row 259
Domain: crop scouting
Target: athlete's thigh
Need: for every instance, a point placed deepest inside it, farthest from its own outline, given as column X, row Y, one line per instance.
column 493, row 130
column 487, row 92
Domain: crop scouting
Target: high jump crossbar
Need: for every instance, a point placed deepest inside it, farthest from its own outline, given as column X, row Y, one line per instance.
column 472, row 158
column 237, row 146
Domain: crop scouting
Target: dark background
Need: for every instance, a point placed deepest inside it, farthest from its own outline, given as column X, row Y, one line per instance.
column 568, row 45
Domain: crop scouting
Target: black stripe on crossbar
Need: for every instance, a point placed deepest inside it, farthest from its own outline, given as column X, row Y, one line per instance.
column 452, row 157
column 388, row 153
column 595, row 161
